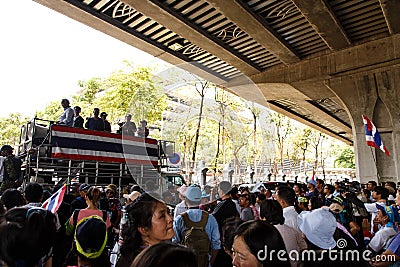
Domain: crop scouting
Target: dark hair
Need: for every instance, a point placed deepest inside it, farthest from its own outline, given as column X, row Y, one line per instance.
column 314, row 202
column 320, row 181
column 391, row 184
column 272, row 211
column 367, row 193
column 382, row 191
column 12, row 198
column 7, row 148
column 27, row 235
column 93, row 194
column 261, row 197
column 33, row 192
column 77, row 108
column 140, row 214
column 331, row 188
column 372, row 182
column 258, row 235
column 228, row 232
column 166, row 254
column 287, row 194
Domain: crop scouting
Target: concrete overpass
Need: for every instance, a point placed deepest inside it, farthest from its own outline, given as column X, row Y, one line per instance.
column 321, row 62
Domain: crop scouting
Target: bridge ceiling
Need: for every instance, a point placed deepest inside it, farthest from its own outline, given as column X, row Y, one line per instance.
column 229, row 38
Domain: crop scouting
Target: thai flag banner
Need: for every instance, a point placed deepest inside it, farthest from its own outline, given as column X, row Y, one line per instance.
column 53, row 203
column 372, row 136
column 82, row 144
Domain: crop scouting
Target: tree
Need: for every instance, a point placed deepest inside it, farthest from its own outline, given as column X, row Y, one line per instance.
column 345, row 159
column 10, row 128
column 283, row 130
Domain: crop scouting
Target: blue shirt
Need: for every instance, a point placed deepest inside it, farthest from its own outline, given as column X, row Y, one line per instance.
column 195, row 216
column 67, row 118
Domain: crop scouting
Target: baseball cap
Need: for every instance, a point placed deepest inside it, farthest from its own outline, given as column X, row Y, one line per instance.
column 91, row 236
column 193, row 193
column 103, row 114
column 318, row 226
column 313, row 182
column 84, row 187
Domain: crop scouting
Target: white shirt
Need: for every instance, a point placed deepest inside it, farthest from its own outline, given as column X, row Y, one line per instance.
column 180, row 208
column 381, row 238
column 290, row 215
column 67, row 118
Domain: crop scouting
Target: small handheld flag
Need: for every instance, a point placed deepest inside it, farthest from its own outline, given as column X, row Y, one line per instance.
column 372, row 136
column 53, row 203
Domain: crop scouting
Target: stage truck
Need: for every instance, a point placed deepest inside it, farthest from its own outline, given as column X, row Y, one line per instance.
column 55, row 154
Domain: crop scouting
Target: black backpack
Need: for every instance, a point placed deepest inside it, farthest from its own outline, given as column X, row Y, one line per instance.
column 197, row 238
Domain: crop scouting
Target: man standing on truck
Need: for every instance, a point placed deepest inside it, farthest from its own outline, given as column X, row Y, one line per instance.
column 67, row 117
column 12, row 169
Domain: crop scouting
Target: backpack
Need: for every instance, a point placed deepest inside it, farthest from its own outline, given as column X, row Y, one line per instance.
column 197, row 239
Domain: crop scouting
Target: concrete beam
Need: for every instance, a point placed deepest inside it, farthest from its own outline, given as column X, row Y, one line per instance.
column 324, row 22
column 184, row 30
column 247, row 22
column 364, row 57
column 391, row 11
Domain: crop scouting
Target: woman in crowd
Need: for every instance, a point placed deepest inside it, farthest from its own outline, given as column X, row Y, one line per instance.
column 166, row 254
column 92, row 198
column 271, row 211
column 253, row 242
column 27, row 237
column 148, row 223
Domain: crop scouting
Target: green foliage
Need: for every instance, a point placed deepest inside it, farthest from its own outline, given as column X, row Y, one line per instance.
column 10, row 128
column 345, row 158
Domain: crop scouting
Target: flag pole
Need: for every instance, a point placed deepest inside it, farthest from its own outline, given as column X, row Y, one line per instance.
column 376, row 166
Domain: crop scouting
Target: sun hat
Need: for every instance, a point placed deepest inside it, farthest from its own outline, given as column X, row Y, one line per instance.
column 225, row 187
column 318, row 226
column 193, row 193
column 91, row 236
column 182, row 190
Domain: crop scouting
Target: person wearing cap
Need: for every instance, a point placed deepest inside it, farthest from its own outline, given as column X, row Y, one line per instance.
column 194, row 214
column 246, row 213
column 129, row 127
column 79, row 202
column 385, row 218
column 12, row 169
column 181, row 206
column 90, row 242
column 224, row 210
column 311, row 184
column 107, row 125
column 78, row 120
column 67, row 117
column 95, row 122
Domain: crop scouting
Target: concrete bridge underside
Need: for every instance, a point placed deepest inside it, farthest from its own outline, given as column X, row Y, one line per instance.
column 321, row 62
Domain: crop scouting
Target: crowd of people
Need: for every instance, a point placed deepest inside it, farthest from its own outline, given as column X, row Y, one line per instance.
column 220, row 225
column 71, row 117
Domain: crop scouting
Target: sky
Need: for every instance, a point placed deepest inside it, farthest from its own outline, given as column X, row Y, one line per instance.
column 43, row 55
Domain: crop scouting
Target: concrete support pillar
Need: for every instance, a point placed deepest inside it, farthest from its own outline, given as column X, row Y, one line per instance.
column 375, row 94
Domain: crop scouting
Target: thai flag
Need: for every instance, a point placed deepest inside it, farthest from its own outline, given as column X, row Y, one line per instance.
column 372, row 136
column 53, row 203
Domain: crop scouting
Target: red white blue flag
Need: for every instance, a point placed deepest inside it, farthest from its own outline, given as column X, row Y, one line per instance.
column 53, row 203
column 372, row 136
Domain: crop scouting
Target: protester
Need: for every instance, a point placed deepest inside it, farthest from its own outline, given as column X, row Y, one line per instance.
column 27, row 236
column 95, row 122
column 12, row 169
column 107, row 125
column 78, row 120
column 90, row 242
column 67, row 117
column 148, row 223
column 166, row 254
column 205, row 242
column 250, row 243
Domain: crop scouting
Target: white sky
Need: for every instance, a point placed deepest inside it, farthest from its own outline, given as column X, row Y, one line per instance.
column 43, row 55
